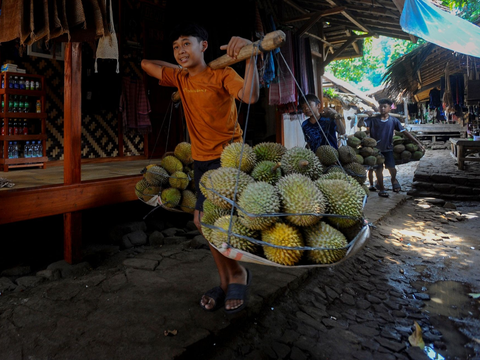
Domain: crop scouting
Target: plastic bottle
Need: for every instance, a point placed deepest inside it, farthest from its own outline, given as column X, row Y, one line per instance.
column 40, row 149
column 10, row 104
column 27, row 150
column 25, row 127
column 15, row 150
column 10, row 150
column 10, row 127
column 2, row 131
column 21, row 83
column 37, row 85
column 15, row 103
column 15, row 127
column 3, row 104
column 27, row 84
column 26, row 105
column 10, row 82
column 16, row 85
column 21, row 104
column 39, row 106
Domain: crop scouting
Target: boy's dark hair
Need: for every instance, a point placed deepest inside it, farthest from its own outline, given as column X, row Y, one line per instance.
column 309, row 98
column 189, row 29
column 385, row 101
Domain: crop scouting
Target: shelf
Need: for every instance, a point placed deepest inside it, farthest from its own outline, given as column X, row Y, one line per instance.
column 23, row 137
column 32, row 93
column 10, row 73
column 30, row 115
column 24, row 161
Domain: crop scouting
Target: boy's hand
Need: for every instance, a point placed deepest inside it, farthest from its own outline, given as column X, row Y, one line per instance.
column 234, row 46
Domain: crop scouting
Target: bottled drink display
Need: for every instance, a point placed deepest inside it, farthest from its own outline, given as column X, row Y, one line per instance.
column 39, row 106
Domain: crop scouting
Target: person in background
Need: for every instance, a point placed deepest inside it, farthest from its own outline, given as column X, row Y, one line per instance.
column 208, row 98
column 382, row 128
column 328, row 120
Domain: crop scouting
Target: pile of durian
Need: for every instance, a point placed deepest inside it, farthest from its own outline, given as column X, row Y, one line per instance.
column 281, row 197
column 172, row 180
column 365, row 149
column 404, row 150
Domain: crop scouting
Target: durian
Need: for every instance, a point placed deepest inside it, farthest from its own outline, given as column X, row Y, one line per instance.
column 299, row 195
column 322, row 235
column 327, row 155
column 183, row 152
column 155, row 175
column 234, row 152
column 301, row 161
column 258, row 198
column 188, row 201
column 211, row 213
column 369, row 141
column 171, row 164
column 360, row 134
column 357, row 171
column 417, row 155
column 282, row 234
column 218, row 237
column 353, row 141
column 269, row 151
column 346, row 154
column 171, row 197
column 342, row 198
column 145, row 191
column 179, row 180
column 222, row 183
column 267, row 171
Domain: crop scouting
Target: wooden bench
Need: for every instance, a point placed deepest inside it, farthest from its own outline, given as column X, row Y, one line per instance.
column 434, row 131
column 461, row 148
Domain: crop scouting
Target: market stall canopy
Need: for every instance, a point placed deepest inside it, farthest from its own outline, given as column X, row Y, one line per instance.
column 422, row 19
column 33, row 20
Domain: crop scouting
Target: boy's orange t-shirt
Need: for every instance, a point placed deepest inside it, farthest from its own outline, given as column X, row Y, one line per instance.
column 208, row 101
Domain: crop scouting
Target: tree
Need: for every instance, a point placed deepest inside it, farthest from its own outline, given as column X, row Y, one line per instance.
column 466, row 9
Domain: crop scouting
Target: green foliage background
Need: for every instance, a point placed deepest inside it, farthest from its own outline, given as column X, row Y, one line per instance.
column 366, row 72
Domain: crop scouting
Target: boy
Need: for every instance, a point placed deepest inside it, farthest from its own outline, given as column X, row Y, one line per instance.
column 208, row 99
column 329, row 120
column 382, row 128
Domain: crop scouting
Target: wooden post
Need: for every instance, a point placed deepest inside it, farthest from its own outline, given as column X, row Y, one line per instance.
column 72, row 137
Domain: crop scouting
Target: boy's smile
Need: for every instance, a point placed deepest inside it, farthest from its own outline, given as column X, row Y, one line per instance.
column 188, row 51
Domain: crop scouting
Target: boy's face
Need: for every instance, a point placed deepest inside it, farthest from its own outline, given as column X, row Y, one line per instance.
column 311, row 106
column 384, row 108
column 188, row 51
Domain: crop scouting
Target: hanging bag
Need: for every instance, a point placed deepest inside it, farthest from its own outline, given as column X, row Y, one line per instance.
column 108, row 45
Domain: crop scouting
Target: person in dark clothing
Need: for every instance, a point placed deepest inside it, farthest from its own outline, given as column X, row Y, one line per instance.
column 382, row 128
column 320, row 128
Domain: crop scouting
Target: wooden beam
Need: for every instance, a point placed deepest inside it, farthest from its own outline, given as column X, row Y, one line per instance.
column 32, row 203
column 350, row 17
column 354, row 44
column 340, row 50
column 307, row 16
column 317, row 54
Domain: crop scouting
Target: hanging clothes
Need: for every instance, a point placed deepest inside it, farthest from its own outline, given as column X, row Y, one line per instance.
column 134, row 106
column 435, row 98
column 282, row 89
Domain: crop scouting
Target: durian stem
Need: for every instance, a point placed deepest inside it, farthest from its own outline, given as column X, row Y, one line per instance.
column 276, row 167
column 303, row 163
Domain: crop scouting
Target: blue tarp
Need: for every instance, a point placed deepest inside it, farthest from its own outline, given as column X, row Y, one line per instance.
column 427, row 21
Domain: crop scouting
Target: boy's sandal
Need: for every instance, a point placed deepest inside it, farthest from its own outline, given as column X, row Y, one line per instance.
column 238, row 292
column 372, row 188
column 396, row 187
column 216, row 294
column 383, row 193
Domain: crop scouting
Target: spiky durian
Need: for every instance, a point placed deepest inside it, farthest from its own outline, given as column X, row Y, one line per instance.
column 183, row 152
column 322, row 235
column 218, row 237
column 188, row 201
column 342, row 198
column 369, row 141
column 356, row 170
column 179, row 180
column 299, row 195
column 267, row 171
column 211, row 213
column 327, row 155
column 269, row 151
column 259, row 198
column 224, row 182
column 234, row 152
column 353, row 141
column 282, row 234
column 346, row 154
column 171, row 197
column 171, row 164
column 301, row 161
column 145, row 191
column 350, row 179
column 155, row 175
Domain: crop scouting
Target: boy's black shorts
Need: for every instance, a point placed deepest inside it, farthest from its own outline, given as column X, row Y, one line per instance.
column 200, row 168
column 389, row 160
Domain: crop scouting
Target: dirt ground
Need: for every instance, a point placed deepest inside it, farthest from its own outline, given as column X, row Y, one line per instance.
column 421, row 261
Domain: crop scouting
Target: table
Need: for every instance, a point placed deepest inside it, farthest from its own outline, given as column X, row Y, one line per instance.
column 437, row 130
column 460, row 148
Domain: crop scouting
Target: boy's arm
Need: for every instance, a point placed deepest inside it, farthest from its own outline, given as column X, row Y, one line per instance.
column 154, row 67
column 249, row 94
column 331, row 113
